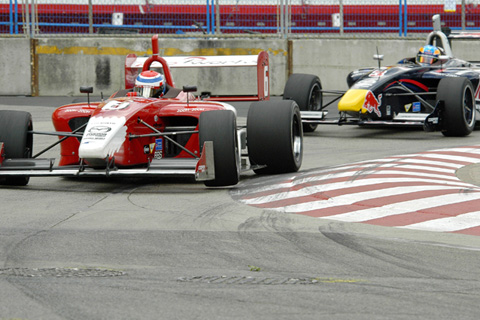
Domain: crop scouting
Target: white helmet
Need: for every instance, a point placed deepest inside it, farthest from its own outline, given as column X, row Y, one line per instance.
column 150, row 84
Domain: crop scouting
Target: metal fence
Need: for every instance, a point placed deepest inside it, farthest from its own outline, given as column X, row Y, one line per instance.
column 282, row 18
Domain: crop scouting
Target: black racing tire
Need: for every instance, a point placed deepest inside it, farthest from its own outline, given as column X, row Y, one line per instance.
column 220, row 127
column 18, row 142
column 275, row 136
column 459, row 115
column 306, row 91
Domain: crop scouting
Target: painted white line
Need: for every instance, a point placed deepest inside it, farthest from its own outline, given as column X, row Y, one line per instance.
column 450, row 224
column 404, row 207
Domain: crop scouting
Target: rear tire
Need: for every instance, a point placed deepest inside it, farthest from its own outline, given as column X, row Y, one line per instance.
column 220, row 127
column 275, row 136
column 18, row 142
column 459, row 114
column 306, row 91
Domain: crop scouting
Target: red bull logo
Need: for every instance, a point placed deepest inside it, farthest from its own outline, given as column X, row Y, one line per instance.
column 372, row 104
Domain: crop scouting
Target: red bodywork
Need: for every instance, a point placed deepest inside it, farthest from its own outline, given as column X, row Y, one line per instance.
column 162, row 114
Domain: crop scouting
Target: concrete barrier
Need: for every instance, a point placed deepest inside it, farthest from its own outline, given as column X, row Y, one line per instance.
column 62, row 65
column 15, row 67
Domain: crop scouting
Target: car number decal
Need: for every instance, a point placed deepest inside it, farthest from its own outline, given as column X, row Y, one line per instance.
column 116, row 105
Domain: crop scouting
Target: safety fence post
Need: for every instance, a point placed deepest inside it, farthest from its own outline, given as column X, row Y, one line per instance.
column 217, row 17
column 208, row 16
column 341, row 16
column 90, row 17
column 402, row 18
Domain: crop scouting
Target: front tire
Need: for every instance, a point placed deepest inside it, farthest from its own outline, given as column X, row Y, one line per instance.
column 275, row 136
column 18, row 142
column 306, row 91
column 459, row 113
column 219, row 126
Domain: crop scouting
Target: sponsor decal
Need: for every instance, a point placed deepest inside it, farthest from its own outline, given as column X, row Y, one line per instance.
column 365, row 83
column 159, row 144
column 78, row 111
column 98, row 132
column 417, row 106
column 372, row 104
column 377, row 73
column 191, row 109
column 158, row 149
column 433, row 120
column 100, row 129
column 265, row 81
column 202, row 61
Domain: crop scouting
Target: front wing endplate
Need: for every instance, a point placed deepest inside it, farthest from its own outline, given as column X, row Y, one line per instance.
column 205, row 169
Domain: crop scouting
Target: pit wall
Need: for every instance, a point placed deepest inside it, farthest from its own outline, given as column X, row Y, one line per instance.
column 59, row 66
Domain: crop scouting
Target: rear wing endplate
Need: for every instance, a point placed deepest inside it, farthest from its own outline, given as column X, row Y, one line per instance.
column 2, row 153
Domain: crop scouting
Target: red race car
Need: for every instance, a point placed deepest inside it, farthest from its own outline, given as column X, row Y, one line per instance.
column 153, row 128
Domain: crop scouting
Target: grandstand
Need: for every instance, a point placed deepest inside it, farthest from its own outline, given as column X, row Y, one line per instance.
column 247, row 17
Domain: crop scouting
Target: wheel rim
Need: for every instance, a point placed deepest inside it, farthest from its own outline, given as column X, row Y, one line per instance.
column 297, row 139
column 315, row 102
column 237, row 154
column 468, row 111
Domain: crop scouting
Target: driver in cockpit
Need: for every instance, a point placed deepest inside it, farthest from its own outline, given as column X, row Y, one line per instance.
column 428, row 55
column 150, row 84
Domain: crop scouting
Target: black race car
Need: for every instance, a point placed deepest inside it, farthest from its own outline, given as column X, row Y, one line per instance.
column 440, row 96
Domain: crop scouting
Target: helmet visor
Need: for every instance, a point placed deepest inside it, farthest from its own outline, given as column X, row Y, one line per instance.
column 144, row 91
column 426, row 59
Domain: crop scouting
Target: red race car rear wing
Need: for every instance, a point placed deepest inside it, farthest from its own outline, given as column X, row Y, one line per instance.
column 134, row 65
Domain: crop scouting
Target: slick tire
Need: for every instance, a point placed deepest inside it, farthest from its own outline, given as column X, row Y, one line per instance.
column 275, row 136
column 220, row 127
column 306, row 91
column 459, row 115
column 18, row 142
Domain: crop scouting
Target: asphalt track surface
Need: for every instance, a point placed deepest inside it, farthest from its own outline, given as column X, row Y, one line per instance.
column 174, row 249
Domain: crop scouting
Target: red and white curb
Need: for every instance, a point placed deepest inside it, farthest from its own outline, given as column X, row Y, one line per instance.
column 418, row 191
